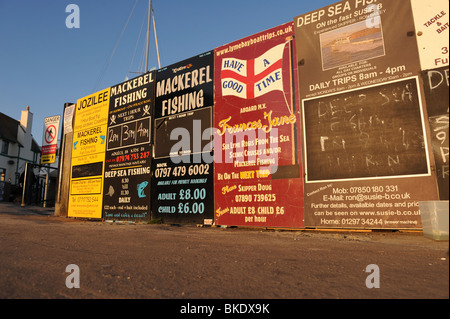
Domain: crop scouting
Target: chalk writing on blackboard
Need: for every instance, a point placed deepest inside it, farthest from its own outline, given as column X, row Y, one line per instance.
column 129, row 134
column 367, row 133
column 436, row 84
column 440, row 143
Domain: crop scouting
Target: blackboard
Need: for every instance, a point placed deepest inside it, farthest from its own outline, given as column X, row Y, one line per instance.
column 439, row 140
column 436, row 87
column 371, row 132
column 129, row 134
column 87, row 170
column 435, row 83
column 187, row 132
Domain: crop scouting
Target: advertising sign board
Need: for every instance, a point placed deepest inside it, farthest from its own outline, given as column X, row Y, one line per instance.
column 367, row 153
column 183, row 171
column 128, row 152
column 88, row 155
column 258, row 170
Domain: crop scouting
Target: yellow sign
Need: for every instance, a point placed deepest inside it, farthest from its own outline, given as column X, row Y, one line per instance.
column 47, row 159
column 89, row 141
column 88, row 155
column 82, row 186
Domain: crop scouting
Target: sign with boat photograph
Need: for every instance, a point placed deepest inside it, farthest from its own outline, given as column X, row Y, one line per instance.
column 367, row 153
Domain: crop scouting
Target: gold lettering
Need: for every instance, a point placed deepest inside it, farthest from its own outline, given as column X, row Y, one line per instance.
column 254, row 125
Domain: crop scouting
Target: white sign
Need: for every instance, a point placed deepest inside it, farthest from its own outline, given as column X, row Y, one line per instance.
column 68, row 118
column 50, row 139
column 431, row 19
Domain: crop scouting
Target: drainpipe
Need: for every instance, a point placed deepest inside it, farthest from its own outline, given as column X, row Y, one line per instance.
column 17, row 166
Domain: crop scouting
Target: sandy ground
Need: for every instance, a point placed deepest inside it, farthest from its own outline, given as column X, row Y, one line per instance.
column 188, row 262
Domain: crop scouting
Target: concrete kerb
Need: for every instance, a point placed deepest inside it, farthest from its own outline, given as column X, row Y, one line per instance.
column 17, row 209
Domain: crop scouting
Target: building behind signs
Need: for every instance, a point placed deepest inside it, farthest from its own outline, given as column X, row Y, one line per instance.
column 17, row 147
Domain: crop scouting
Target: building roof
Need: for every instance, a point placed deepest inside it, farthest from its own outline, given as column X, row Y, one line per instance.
column 8, row 128
column 8, row 132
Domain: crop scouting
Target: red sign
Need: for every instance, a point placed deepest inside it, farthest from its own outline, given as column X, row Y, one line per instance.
column 48, row 149
column 257, row 160
column 50, row 134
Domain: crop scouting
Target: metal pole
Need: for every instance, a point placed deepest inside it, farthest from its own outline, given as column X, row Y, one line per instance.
column 24, row 183
column 46, row 188
column 62, row 150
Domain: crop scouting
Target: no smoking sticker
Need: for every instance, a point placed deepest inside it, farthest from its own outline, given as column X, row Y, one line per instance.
column 50, row 134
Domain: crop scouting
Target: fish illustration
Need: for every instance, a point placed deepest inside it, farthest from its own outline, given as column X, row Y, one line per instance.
column 110, row 191
column 140, row 188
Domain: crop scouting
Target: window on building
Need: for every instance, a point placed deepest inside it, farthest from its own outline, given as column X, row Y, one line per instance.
column 5, row 147
column 35, row 157
column 2, row 174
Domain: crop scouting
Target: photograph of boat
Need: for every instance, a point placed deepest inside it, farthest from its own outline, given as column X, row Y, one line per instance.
column 345, row 45
column 351, row 44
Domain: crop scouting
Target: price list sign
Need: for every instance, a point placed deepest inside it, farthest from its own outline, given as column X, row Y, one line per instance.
column 128, row 153
column 182, row 183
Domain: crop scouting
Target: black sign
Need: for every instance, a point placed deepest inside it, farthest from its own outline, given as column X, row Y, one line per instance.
column 437, row 99
column 185, row 86
column 128, row 153
column 184, row 191
column 372, row 132
column 436, row 91
column 184, row 133
column 182, row 183
column 439, row 141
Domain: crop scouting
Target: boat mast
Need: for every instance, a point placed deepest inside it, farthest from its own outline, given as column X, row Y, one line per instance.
column 148, row 33
column 156, row 40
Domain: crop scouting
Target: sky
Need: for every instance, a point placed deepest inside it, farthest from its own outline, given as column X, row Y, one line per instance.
column 45, row 64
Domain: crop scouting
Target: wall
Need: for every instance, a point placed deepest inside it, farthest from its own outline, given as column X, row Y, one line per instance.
column 320, row 122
